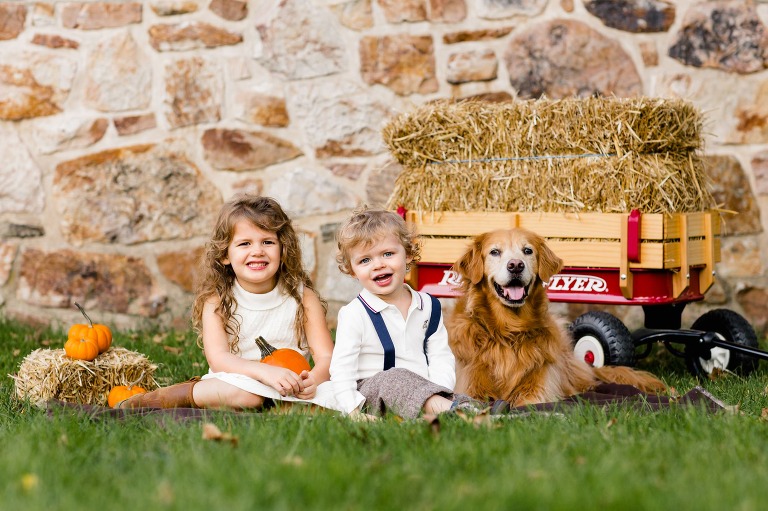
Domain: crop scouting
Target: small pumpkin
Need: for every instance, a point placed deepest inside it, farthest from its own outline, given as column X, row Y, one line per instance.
column 122, row 392
column 100, row 334
column 283, row 357
column 81, row 349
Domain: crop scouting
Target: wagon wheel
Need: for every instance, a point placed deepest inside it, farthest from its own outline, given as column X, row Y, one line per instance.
column 731, row 327
column 602, row 339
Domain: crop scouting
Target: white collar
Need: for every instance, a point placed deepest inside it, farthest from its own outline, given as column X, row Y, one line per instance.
column 377, row 305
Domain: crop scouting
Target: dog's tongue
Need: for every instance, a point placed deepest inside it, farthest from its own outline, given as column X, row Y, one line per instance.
column 514, row 292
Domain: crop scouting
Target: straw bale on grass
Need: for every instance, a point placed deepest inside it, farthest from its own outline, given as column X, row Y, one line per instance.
column 47, row 374
column 592, row 154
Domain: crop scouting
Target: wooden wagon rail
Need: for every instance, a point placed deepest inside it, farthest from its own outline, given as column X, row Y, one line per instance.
column 624, row 241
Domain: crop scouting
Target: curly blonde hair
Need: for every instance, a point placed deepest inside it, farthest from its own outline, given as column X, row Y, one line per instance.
column 367, row 226
column 217, row 279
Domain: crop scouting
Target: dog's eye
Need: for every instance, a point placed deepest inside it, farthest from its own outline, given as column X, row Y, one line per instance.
column 495, row 252
column 527, row 251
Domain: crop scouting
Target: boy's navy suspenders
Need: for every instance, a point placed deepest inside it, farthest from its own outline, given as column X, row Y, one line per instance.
column 386, row 339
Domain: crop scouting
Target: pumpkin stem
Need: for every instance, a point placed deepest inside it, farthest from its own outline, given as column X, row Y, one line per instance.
column 266, row 348
column 82, row 311
column 141, row 377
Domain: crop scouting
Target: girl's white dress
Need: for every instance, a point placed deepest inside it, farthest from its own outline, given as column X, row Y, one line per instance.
column 271, row 316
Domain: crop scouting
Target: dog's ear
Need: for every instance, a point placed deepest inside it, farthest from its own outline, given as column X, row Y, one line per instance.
column 471, row 266
column 549, row 263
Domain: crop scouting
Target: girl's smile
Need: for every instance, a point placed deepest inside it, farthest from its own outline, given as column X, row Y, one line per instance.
column 254, row 255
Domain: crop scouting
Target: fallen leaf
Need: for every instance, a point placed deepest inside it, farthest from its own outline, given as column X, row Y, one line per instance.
column 764, row 414
column 463, row 416
column 16, row 352
column 173, row 349
column 484, row 419
column 717, row 374
column 296, row 461
column 478, row 419
column 212, row 432
column 612, row 422
column 165, row 493
column 29, row 482
column 433, row 421
column 358, row 416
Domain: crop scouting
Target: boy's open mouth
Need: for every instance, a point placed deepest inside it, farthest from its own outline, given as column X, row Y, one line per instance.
column 382, row 278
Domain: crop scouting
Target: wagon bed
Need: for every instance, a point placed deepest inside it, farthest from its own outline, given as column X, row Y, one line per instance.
column 608, row 258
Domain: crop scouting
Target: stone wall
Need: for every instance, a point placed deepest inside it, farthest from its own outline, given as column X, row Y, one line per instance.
column 125, row 124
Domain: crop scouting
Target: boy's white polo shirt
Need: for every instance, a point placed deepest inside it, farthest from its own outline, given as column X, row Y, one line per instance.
column 358, row 353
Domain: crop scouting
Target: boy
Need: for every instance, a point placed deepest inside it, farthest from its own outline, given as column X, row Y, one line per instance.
column 391, row 351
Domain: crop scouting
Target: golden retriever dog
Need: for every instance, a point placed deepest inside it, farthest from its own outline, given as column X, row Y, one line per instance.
column 507, row 343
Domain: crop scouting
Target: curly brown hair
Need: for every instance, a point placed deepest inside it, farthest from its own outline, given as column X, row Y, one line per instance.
column 365, row 226
column 217, row 278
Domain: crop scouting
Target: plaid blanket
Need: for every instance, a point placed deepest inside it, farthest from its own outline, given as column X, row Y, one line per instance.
column 606, row 394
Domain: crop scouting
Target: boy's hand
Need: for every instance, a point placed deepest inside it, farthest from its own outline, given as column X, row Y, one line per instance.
column 283, row 380
column 310, row 387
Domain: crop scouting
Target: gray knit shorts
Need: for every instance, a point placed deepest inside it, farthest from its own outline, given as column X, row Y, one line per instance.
column 399, row 391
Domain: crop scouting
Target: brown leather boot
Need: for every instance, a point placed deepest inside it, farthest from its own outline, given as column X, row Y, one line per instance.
column 174, row 396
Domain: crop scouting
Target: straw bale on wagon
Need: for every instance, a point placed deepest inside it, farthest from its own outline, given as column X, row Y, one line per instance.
column 604, row 155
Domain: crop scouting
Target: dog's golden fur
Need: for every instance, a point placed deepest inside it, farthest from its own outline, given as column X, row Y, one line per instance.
column 507, row 343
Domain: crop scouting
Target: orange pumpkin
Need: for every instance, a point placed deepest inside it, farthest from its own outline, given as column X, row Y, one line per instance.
column 81, row 349
column 122, row 392
column 100, row 334
column 283, row 357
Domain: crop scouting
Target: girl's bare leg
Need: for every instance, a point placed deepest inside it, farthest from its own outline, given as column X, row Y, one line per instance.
column 217, row 394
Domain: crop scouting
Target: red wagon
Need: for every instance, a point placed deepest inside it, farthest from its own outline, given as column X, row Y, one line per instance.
column 657, row 261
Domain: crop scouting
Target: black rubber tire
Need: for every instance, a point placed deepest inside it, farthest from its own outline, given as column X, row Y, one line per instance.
column 611, row 333
column 734, row 328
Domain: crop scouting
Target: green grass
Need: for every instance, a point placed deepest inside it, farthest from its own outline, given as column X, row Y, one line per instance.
column 591, row 458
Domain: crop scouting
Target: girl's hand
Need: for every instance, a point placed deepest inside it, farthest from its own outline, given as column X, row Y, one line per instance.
column 283, row 380
column 310, row 387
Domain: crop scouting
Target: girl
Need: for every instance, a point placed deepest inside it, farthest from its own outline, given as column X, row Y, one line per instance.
column 253, row 285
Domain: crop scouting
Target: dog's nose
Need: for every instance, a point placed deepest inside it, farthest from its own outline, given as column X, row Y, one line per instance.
column 515, row 265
